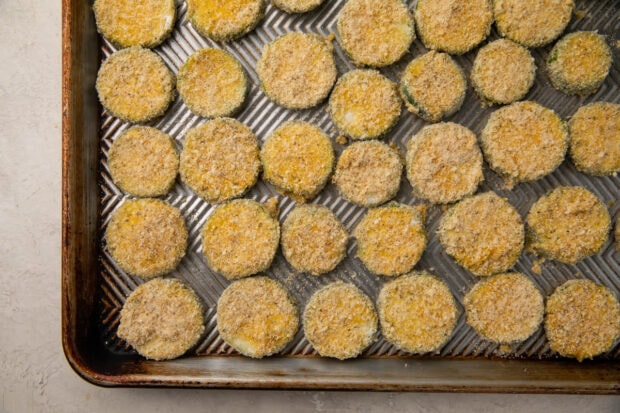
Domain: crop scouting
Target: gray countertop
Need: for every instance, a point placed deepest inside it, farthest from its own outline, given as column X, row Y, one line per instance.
column 34, row 375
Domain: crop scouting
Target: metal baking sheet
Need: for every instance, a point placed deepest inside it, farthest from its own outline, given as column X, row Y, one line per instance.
column 213, row 362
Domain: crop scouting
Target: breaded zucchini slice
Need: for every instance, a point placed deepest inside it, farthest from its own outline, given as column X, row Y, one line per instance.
column 391, row 239
column 220, row 159
column 212, row 83
column 297, row 70
column 297, row 6
column 417, row 312
column 225, row 20
column 505, row 308
column 453, row 26
column 433, row 86
column 524, row 141
column 297, row 159
column 368, row 173
column 146, row 237
column 240, row 238
column 364, row 104
column 126, row 23
column 579, row 63
column 503, row 72
column 375, row 32
column 135, row 85
column 582, row 319
column 143, row 162
column 483, row 233
column 568, row 224
column 444, row 163
column 340, row 321
column 313, row 239
column 162, row 319
column 532, row 23
column 257, row 317
column 595, row 138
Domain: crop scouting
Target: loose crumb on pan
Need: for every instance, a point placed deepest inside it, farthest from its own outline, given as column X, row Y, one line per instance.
column 220, row 159
column 444, row 163
column 391, row 239
column 145, row 23
column 143, row 162
column 297, row 70
column 146, row 237
column 313, row 239
column 298, row 159
column 212, row 83
column 340, row 321
column 568, row 224
column 257, row 317
column 375, row 32
column 364, row 104
column 162, row 319
column 579, row 63
column 483, row 233
column 417, row 312
column 595, row 138
column 503, row 72
column 433, row 86
column 453, row 26
column 532, row 23
column 368, row 173
column 505, row 308
column 240, row 238
column 524, row 141
column 225, row 20
column 297, row 6
column 135, row 85
column 582, row 319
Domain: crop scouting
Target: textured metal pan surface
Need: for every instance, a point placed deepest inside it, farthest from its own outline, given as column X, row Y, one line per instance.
column 262, row 116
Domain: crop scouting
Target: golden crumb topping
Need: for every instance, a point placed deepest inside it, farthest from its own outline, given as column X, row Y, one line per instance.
column 225, row 20
column 297, row 6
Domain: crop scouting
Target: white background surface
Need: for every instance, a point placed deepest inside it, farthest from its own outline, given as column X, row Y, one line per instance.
column 34, row 376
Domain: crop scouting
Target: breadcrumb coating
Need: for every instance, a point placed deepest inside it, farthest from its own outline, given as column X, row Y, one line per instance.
column 225, row 20
column 297, row 6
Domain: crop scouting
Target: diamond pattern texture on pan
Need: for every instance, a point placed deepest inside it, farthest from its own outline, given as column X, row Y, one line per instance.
column 263, row 116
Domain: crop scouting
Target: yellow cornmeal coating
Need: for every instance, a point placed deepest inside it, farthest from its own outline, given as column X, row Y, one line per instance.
column 503, row 72
column 368, row 173
column 532, row 23
column 582, row 319
column 595, row 138
column 375, row 32
column 483, row 233
column 297, row 70
column 505, row 308
column 135, row 85
column 146, row 237
column 417, row 312
column 127, row 23
column 364, row 104
column 220, row 160
column 257, row 317
column 568, row 224
column 297, row 159
column 579, row 63
column 444, row 163
column 390, row 239
column 313, row 239
column 297, row 6
column 433, row 86
column 225, row 20
column 212, row 83
column 162, row 319
column 524, row 141
column 143, row 162
column 453, row 26
column 240, row 238
column 340, row 321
